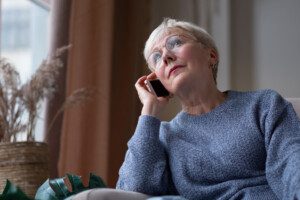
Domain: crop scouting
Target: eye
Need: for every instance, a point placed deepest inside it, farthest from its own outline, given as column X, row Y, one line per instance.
column 155, row 57
column 173, row 42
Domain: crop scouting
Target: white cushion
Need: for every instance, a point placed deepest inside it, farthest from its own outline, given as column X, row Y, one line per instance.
column 109, row 194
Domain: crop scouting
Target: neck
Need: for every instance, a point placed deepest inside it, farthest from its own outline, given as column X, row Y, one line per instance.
column 198, row 102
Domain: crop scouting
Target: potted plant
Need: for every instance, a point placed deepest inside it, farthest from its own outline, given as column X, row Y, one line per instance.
column 25, row 163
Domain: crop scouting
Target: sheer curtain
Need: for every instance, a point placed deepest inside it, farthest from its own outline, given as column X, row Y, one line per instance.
column 107, row 39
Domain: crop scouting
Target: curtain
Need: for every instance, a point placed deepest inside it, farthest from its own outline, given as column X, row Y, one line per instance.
column 59, row 36
column 107, row 40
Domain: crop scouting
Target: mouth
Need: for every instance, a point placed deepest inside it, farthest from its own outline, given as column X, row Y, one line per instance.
column 173, row 69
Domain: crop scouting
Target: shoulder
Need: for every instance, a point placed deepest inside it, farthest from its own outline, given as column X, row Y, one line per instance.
column 269, row 94
column 267, row 104
column 264, row 97
column 255, row 94
column 258, row 102
column 271, row 98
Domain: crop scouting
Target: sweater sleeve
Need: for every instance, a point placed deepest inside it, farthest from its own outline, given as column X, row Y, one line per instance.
column 282, row 139
column 145, row 167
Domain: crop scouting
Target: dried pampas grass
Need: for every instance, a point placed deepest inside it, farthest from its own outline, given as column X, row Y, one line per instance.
column 77, row 98
column 22, row 101
column 11, row 105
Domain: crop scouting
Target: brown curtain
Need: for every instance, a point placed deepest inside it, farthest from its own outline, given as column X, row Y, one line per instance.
column 59, row 36
column 107, row 39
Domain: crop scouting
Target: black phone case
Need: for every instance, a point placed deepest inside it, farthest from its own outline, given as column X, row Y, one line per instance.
column 158, row 88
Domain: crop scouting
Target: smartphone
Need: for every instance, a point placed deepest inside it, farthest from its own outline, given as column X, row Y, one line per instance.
column 156, row 87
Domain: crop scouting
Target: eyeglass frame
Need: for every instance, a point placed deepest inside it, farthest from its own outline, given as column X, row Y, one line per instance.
column 188, row 36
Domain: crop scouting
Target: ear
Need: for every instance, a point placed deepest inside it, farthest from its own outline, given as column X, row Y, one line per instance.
column 213, row 57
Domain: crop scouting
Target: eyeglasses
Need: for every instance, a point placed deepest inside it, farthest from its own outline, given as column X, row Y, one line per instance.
column 173, row 44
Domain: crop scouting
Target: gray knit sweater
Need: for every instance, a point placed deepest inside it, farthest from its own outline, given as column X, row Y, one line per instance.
column 246, row 148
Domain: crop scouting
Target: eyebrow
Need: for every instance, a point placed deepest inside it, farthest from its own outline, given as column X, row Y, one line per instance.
column 156, row 48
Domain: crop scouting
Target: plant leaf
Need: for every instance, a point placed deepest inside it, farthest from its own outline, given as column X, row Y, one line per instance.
column 45, row 192
column 11, row 192
column 96, row 182
column 76, row 183
column 59, row 187
column 57, row 190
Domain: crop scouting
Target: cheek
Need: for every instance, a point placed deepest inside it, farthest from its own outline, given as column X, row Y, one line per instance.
column 160, row 73
column 162, row 77
column 194, row 54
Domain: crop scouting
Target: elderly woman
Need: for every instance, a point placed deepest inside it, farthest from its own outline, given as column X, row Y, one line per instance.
column 222, row 145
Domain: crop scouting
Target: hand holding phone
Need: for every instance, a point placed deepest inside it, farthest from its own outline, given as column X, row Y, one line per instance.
column 156, row 87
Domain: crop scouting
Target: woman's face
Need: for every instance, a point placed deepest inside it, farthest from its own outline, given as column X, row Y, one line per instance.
column 179, row 61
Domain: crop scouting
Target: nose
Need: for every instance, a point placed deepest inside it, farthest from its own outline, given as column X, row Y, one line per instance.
column 168, row 56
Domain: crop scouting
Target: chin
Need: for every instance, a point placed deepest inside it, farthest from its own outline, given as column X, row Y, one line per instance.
column 179, row 81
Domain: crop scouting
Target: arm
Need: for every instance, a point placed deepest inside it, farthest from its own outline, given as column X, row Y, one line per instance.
column 282, row 139
column 145, row 168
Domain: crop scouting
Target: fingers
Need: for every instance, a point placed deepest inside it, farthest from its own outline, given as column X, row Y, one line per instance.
column 140, row 81
column 152, row 105
column 167, row 98
column 152, row 76
column 140, row 84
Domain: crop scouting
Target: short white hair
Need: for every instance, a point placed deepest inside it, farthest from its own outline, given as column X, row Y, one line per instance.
column 199, row 33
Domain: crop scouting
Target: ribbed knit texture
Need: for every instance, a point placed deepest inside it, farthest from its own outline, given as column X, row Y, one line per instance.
column 246, row 148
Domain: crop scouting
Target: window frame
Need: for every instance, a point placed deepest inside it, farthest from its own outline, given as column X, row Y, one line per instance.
column 45, row 4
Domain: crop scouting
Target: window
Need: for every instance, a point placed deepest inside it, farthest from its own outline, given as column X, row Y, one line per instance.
column 25, row 38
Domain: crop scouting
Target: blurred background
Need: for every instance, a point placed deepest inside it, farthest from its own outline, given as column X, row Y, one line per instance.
column 258, row 41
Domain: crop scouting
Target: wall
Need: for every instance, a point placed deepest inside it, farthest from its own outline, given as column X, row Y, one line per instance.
column 266, row 45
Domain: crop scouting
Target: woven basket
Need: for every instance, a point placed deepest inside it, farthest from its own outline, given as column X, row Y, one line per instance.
column 25, row 164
